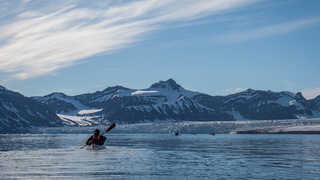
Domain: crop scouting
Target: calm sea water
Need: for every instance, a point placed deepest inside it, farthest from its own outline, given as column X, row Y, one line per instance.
column 161, row 156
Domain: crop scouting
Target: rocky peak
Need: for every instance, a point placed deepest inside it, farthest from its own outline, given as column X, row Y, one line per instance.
column 168, row 84
column 246, row 93
column 250, row 90
column 56, row 95
column 299, row 96
column 114, row 88
column 288, row 93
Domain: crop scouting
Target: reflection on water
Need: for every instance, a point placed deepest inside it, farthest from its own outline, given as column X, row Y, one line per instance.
column 160, row 156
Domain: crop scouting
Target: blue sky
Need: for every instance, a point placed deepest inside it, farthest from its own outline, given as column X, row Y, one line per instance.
column 212, row 46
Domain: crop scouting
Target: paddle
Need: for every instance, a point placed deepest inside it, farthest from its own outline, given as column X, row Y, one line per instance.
column 113, row 125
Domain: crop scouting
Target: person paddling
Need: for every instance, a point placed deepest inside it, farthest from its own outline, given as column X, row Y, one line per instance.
column 96, row 138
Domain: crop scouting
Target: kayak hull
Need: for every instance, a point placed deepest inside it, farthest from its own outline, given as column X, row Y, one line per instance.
column 95, row 147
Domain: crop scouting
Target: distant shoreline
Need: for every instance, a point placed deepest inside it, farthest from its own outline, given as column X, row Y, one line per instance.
column 290, row 132
column 300, row 129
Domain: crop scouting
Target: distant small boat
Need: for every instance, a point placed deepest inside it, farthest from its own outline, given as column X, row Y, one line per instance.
column 212, row 134
column 176, row 133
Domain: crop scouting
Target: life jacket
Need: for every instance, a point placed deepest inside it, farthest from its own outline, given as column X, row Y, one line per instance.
column 95, row 139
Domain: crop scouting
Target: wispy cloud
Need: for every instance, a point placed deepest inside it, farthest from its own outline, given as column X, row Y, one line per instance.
column 45, row 37
column 266, row 31
column 311, row 93
column 26, row 1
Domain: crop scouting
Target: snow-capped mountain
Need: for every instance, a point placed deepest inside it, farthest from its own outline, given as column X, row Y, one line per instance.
column 164, row 100
column 257, row 104
column 167, row 100
column 18, row 113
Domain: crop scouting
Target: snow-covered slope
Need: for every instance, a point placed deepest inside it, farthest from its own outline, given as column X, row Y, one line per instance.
column 19, row 113
column 71, row 110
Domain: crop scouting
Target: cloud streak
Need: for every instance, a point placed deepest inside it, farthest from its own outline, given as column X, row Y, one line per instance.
column 267, row 31
column 42, row 39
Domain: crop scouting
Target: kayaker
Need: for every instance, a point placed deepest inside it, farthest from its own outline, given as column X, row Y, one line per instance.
column 96, row 138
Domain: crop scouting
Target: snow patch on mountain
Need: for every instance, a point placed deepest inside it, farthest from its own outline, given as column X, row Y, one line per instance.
column 301, row 116
column 142, row 92
column 78, row 120
column 88, row 111
column 237, row 116
column 67, row 99
column 287, row 101
column 283, row 101
column 83, row 117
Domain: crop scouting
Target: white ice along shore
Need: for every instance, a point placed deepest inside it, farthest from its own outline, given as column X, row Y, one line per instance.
column 298, row 126
column 83, row 117
column 192, row 127
column 302, row 126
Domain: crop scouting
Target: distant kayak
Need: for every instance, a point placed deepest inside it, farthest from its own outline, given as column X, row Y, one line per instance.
column 95, row 147
column 176, row 133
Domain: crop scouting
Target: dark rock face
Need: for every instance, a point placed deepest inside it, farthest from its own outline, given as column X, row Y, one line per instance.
column 257, row 105
column 18, row 113
column 136, row 109
column 264, row 105
column 169, row 84
column 99, row 98
column 56, row 102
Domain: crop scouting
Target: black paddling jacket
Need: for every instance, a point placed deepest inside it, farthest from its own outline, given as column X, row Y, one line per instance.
column 99, row 141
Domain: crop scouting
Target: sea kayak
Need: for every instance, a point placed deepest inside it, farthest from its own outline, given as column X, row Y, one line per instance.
column 95, row 147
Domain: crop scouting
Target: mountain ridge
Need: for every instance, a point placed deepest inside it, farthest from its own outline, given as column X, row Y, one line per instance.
column 167, row 100
column 162, row 101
